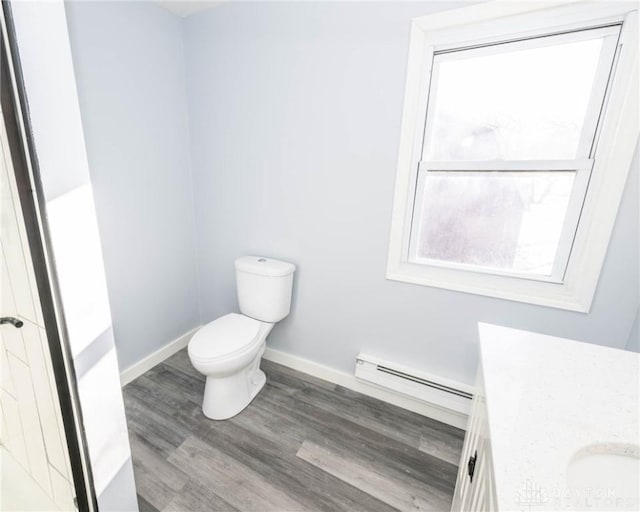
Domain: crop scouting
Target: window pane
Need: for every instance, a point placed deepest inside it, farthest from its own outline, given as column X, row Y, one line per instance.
column 514, row 104
column 501, row 220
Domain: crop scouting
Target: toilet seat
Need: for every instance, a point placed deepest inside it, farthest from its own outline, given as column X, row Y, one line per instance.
column 225, row 337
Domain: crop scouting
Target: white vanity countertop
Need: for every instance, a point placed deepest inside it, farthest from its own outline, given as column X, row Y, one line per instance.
column 548, row 398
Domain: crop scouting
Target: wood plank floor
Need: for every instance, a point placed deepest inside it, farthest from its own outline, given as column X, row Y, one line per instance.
column 302, row 445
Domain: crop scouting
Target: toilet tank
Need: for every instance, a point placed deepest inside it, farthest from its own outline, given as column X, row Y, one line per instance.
column 264, row 287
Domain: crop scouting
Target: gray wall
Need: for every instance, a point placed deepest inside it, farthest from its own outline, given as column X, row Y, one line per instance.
column 295, row 116
column 633, row 343
column 129, row 65
column 292, row 112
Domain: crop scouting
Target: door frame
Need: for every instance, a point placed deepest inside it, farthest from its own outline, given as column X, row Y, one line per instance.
column 32, row 203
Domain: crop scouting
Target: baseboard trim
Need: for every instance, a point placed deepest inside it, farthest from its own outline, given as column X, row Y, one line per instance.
column 349, row 381
column 314, row 369
column 135, row 370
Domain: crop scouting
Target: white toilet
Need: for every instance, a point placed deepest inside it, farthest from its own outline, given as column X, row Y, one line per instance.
column 228, row 350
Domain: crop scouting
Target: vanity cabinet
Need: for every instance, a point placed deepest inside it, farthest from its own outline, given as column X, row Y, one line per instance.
column 540, row 429
column 475, row 486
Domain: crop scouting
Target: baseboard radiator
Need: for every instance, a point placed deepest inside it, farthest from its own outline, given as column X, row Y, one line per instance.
column 450, row 395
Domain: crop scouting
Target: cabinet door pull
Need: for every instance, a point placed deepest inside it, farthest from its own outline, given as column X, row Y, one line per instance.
column 471, row 466
column 13, row 321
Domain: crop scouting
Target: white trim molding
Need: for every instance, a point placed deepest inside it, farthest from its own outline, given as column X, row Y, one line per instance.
column 602, row 174
column 320, row 371
column 349, row 381
column 135, row 370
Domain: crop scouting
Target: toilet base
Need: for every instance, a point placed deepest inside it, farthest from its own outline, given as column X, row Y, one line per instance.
column 224, row 397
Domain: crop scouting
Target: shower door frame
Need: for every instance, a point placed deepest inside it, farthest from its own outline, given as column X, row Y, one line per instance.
column 27, row 174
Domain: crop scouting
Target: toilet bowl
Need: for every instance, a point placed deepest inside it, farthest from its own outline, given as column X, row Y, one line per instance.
column 228, row 350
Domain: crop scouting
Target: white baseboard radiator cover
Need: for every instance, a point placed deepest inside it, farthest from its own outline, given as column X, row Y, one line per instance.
column 432, row 389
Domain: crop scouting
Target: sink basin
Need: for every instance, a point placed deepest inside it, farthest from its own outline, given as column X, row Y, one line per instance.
column 605, row 477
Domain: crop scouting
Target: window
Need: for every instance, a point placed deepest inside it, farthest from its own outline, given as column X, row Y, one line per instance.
column 509, row 127
column 508, row 140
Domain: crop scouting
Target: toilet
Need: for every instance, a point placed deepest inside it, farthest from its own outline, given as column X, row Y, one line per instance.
column 228, row 350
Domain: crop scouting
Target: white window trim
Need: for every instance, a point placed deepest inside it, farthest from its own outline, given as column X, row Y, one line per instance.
column 617, row 140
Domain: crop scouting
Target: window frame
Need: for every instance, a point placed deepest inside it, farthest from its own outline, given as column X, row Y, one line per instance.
column 581, row 165
column 576, row 271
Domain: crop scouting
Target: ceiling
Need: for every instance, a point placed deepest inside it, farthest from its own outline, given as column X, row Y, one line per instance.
column 184, row 8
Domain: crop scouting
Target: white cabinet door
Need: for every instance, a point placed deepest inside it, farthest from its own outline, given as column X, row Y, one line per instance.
column 474, row 487
column 31, row 430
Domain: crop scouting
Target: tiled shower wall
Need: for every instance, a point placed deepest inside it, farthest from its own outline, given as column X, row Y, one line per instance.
column 31, row 424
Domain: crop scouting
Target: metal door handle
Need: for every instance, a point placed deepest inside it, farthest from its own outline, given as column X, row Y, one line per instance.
column 471, row 465
column 13, row 321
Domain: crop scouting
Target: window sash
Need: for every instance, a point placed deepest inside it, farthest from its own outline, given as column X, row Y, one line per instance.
column 567, row 234
column 580, row 164
column 597, row 101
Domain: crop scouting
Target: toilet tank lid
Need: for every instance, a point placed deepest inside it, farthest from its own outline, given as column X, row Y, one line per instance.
column 264, row 266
